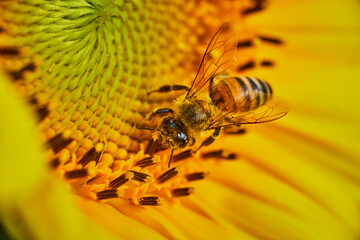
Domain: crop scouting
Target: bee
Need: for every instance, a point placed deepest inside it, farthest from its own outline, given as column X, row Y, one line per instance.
column 215, row 99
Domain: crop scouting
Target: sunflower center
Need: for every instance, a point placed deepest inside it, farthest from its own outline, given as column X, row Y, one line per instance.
column 86, row 68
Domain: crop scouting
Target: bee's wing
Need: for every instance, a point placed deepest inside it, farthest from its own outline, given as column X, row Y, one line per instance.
column 218, row 58
column 273, row 109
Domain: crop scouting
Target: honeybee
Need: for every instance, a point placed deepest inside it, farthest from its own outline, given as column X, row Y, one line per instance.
column 214, row 100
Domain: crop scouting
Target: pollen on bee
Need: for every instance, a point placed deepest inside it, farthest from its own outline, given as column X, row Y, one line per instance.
column 172, row 172
column 181, row 192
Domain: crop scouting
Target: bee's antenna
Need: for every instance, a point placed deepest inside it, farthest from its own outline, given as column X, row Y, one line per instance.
column 171, row 156
column 149, row 128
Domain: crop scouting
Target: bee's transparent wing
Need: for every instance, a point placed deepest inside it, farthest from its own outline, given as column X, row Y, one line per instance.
column 273, row 109
column 218, row 58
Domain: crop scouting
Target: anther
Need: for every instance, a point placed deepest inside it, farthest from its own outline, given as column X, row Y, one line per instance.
column 150, row 201
column 19, row 74
column 169, row 174
column 141, row 177
column 151, row 147
column 106, row 194
column 42, row 112
column 196, row 176
column 272, row 40
column 9, row 51
column 259, row 5
column 234, row 131
column 60, row 141
column 267, row 63
column 246, row 66
column 79, row 173
column 245, row 44
column 220, row 154
column 54, row 163
column 182, row 156
column 94, row 154
column 147, row 162
column 181, row 192
column 119, row 181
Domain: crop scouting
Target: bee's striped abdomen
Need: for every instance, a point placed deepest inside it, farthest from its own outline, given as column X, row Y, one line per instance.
column 252, row 92
column 241, row 93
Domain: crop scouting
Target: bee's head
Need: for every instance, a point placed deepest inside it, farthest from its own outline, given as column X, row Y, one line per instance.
column 175, row 133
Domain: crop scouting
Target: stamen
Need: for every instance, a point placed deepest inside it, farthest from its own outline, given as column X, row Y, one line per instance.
column 79, row 173
column 220, row 154
column 150, row 201
column 54, row 163
column 60, row 141
column 267, row 63
column 42, row 112
column 9, row 51
column 181, row 192
column 119, row 181
column 148, row 161
column 151, row 147
column 33, row 100
column 93, row 154
column 258, row 6
column 272, row 40
column 169, row 174
column 246, row 66
column 141, row 177
column 234, row 131
column 16, row 75
column 106, row 194
column 244, row 44
column 196, row 176
column 182, row 156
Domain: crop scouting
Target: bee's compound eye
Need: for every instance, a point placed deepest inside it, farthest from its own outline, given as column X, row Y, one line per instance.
column 182, row 139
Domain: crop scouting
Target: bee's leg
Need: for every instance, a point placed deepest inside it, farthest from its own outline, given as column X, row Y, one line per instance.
column 171, row 157
column 169, row 88
column 210, row 139
column 161, row 112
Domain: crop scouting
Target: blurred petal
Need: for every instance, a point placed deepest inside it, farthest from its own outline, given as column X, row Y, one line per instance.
column 30, row 197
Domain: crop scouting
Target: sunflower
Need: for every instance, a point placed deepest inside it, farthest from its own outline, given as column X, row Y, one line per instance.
column 75, row 77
